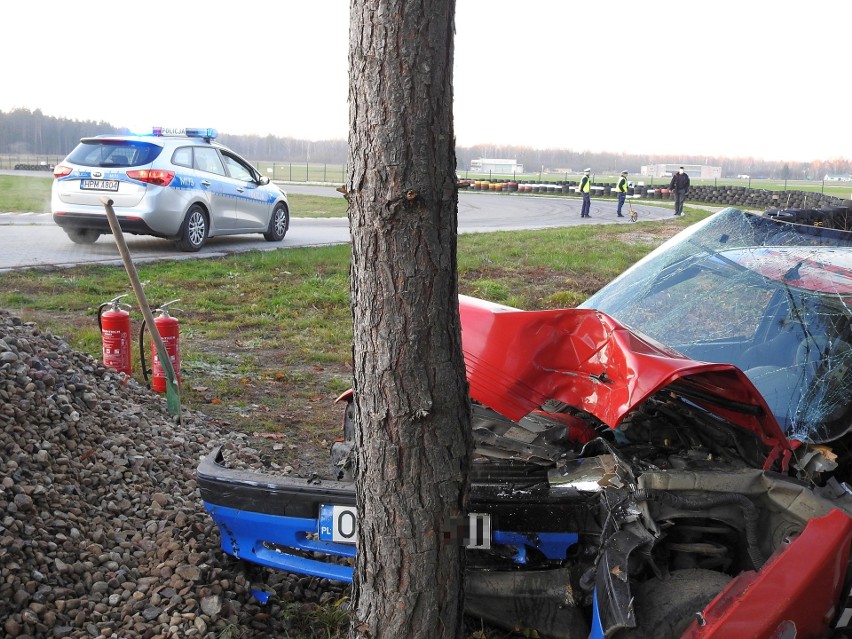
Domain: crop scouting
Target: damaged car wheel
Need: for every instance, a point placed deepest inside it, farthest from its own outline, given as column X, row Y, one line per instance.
column 665, row 607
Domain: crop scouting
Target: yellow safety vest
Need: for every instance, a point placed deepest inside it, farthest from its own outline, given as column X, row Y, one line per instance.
column 622, row 185
column 585, row 184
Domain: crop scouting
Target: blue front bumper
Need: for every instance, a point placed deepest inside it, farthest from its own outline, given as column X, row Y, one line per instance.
column 265, row 539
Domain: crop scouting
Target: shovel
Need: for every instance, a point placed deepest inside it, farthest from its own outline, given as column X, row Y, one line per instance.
column 172, row 388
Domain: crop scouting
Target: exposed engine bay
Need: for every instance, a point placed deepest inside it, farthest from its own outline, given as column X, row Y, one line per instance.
column 673, row 490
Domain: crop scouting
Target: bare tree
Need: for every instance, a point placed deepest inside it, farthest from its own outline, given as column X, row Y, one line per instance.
column 413, row 437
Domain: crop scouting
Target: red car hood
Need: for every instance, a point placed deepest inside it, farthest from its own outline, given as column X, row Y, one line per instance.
column 516, row 360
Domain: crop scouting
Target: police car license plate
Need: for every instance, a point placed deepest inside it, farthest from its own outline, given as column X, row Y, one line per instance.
column 99, row 185
column 340, row 524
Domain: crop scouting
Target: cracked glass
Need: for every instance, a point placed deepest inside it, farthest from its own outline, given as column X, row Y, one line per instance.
column 771, row 297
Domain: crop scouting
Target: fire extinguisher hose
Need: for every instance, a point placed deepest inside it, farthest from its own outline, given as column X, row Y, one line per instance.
column 100, row 319
column 145, row 370
column 172, row 388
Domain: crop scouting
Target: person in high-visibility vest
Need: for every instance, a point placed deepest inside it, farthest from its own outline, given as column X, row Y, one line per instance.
column 585, row 190
column 621, row 189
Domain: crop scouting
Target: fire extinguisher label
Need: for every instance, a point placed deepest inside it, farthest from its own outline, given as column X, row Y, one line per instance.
column 115, row 336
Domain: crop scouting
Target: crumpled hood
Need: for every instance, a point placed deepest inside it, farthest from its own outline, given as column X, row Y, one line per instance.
column 516, row 360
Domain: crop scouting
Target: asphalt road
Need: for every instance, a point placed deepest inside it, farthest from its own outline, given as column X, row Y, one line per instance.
column 32, row 240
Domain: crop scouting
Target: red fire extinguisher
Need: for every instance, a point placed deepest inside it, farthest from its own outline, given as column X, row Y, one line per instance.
column 115, row 334
column 169, row 329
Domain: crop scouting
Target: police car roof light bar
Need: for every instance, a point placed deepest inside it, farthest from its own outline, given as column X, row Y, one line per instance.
column 207, row 134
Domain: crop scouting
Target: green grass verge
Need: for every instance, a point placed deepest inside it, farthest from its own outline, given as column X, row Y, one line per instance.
column 24, row 193
column 317, row 205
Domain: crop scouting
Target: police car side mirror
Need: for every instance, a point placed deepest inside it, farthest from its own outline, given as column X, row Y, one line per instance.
column 263, row 180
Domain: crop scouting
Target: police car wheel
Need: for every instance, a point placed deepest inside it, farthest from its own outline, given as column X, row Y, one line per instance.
column 83, row 236
column 194, row 231
column 278, row 224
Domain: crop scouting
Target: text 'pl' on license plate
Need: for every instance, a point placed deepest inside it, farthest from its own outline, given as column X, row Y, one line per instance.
column 340, row 524
column 99, row 185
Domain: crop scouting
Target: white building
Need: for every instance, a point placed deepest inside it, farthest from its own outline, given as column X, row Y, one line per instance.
column 502, row 167
column 700, row 171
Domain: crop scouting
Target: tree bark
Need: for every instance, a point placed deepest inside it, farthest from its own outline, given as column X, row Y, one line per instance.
column 413, row 434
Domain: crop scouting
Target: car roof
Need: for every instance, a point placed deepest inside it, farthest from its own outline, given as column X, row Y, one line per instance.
column 153, row 139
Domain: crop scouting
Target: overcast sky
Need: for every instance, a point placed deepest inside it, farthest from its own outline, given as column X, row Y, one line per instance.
column 744, row 78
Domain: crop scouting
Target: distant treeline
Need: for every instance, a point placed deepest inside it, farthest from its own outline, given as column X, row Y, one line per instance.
column 25, row 132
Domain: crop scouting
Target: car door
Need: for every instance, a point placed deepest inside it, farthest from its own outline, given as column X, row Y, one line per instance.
column 253, row 205
column 218, row 188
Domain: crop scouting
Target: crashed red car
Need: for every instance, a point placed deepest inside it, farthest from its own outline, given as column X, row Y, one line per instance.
column 670, row 459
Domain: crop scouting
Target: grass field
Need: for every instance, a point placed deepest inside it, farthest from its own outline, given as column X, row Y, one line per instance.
column 24, row 193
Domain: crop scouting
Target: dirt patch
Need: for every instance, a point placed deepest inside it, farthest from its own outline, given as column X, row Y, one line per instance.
column 291, row 420
column 651, row 236
column 536, row 288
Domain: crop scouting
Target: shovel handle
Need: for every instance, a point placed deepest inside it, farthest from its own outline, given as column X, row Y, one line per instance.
column 162, row 353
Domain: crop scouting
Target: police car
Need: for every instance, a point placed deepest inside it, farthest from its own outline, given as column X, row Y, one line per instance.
column 177, row 184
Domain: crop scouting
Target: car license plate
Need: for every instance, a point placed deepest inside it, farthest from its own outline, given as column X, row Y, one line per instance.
column 99, row 185
column 340, row 524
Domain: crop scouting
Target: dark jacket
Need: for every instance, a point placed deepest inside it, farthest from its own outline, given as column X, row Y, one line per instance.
column 680, row 182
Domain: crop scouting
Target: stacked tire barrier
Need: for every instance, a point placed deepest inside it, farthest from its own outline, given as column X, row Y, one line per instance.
column 33, row 167
column 745, row 197
column 739, row 196
column 830, row 217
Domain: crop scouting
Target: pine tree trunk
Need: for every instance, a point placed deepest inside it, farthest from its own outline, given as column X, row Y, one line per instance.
column 413, row 437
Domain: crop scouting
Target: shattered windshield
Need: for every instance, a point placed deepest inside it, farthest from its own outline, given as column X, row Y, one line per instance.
column 770, row 297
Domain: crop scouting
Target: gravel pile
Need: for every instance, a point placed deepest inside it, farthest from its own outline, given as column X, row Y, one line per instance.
column 102, row 530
